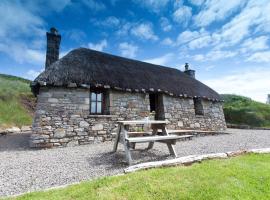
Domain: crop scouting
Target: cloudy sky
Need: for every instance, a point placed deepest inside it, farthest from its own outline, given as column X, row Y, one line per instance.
column 225, row 41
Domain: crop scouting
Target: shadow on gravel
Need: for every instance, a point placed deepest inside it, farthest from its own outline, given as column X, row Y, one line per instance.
column 15, row 142
column 117, row 160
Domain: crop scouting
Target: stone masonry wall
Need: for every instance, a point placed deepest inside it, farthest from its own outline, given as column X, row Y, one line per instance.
column 181, row 114
column 62, row 116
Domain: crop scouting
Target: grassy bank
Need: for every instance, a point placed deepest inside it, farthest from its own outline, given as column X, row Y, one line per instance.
column 16, row 101
column 243, row 110
column 245, row 177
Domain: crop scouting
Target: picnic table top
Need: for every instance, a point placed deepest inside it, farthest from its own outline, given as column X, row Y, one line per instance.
column 143, row 122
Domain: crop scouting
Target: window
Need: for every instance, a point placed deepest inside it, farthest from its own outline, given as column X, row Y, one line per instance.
column 96, row 103
column 198, row 106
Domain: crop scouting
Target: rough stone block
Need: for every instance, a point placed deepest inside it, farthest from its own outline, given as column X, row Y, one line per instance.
column 97, row 127
column 59, row 133
column 84, row 124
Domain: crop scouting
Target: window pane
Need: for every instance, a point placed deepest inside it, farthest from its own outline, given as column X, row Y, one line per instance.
column 99, row 97
column 93, row 107
column 98, row 107
column 93, row 96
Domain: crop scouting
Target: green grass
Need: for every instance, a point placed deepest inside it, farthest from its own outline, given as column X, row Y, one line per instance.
column 243, row 110
column 13, row 90
column 244, row 177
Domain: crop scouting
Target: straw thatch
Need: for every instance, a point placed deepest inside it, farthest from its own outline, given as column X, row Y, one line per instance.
column 86, row 68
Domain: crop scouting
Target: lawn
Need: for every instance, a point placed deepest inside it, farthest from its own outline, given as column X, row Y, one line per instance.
column 243, row 177
column 15, row 95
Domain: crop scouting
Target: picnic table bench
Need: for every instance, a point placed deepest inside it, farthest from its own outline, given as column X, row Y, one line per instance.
column 124, row 136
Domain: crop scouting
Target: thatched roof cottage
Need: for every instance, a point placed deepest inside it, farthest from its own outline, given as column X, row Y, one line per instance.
column 82, row 95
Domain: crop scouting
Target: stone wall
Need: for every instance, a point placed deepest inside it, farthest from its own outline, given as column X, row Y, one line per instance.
column 62, row 116
column 181, row 114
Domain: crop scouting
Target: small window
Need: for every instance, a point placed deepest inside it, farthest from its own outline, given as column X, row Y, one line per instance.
column 198, row 106
column 97, row 102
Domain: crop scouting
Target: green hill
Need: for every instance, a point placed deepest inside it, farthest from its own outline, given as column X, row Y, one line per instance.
column 243, row 110
column 16, row 101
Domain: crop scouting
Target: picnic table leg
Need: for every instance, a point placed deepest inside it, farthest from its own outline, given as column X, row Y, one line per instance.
column 151, row 144
column 170, row 146
column 126, row 144
column 117, row 138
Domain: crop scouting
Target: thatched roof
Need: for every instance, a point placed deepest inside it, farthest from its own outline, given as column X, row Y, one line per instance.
column 86, row 68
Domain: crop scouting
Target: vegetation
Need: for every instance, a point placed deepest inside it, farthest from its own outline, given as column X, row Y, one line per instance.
column 16, row 101
column 245, row 177
column 243, row 110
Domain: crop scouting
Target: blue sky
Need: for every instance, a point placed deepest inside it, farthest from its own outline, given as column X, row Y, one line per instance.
column 226, row 42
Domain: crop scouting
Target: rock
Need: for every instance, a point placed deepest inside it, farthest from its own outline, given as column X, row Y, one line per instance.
column 26, row 128
column 84, row 124
column 59, row 133
column 197, row 125
column 70, row 133
column 14, row 130
column 180, row 123
column 265, row 150
column 235, row 153
column 72, row 143
column 52, row 100
column 168, row 115
column 97, row 127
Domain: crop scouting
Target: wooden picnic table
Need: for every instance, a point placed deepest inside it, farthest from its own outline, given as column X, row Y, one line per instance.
column 123, row 136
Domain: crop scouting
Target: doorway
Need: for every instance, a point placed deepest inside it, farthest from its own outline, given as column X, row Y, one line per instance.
column 156, row 105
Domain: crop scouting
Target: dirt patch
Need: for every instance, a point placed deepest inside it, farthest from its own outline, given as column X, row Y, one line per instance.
column 29, row 103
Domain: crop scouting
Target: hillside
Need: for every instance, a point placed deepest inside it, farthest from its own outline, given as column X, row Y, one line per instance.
column 243, row 110
column 16, row 101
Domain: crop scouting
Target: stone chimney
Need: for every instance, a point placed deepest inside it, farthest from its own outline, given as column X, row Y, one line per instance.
column 53, row 44
column 188, row 71
column 268, row 99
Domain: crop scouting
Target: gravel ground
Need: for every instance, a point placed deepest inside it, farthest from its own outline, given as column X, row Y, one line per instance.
column 23, row 169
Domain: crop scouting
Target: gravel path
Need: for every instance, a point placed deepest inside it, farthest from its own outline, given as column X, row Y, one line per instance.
column 23, row 169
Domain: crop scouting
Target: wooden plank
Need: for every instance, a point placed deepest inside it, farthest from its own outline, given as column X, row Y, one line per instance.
column 155, row 131
column 142, row 122
column 117, row 138
column 156, row 138
column 170, row 146
column 126, row 144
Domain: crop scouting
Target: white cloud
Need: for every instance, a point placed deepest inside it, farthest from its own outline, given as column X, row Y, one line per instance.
column 163, row 60
column 165, row 24
column 200, row 42
column 168, row 41
column 22, row 53
column 187, row 36
column 110, row 21
column 32, row 74
column 214, row 55
column 153, row 5
column 128, row 50
column 260, row 57
column 98, row 46
column 255, row 44
column 94, row 5
column 216, row 10
column 16, row 20
column 76, row 35
column 144, row 31
column 195, row 39
column 196, row 2
column 252, row 83
column 182, row 15
column 253, row 18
